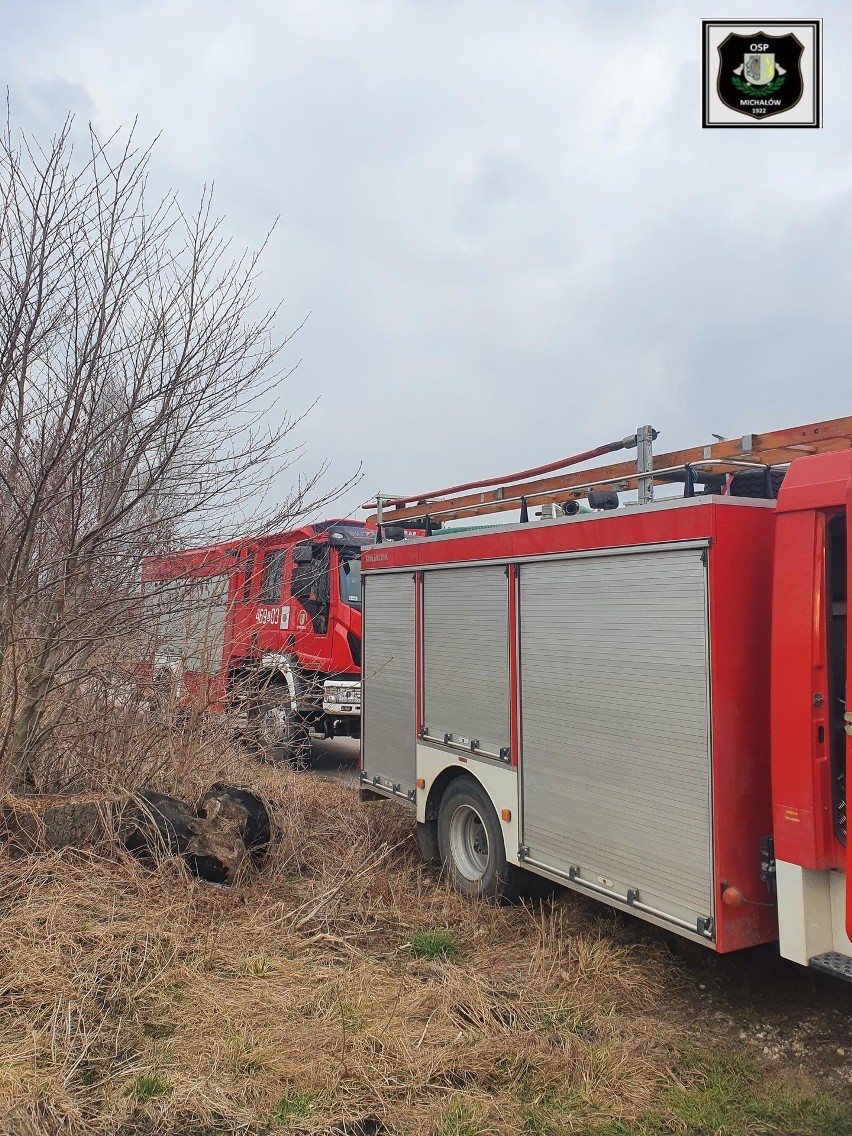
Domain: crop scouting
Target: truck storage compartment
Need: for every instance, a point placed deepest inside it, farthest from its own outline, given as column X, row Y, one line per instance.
column 615, row 736
column 188, row 616
column 466, row 659
column 388, row 676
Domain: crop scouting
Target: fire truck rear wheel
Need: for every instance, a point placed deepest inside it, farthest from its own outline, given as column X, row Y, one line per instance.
column 470, row 842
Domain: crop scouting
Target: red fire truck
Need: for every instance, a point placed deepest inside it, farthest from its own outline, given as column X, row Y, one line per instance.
column 269, row 629
column 645, row 702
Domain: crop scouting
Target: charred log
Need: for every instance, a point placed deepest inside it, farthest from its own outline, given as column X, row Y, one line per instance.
column 245, row 809
column 154, row 825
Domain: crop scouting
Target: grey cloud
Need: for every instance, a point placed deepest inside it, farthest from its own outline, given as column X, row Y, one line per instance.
column 514, row 239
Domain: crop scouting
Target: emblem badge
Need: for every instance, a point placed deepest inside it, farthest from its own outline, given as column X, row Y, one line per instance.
column 760, row 75
column 756, row 73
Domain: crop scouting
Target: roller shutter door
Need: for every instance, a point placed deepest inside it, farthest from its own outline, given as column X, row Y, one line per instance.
column 615, row 726
column 466, row 657
column 388, row 710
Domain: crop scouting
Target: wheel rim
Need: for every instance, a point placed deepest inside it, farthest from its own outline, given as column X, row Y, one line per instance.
column 469, row 843
column 273, row 726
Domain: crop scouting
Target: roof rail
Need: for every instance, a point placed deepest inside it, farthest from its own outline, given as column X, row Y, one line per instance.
column 529, row 487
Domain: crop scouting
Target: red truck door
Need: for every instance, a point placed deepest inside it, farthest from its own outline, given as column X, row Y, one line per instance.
column 310, row 586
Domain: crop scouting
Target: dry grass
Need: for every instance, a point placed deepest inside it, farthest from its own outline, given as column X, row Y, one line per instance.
column 143, row 1002
column 122, row 748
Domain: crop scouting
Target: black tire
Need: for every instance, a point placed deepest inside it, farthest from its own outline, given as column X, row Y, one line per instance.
column 427, row 842
column 470, row 842
column 278, row 733
column 752, row 483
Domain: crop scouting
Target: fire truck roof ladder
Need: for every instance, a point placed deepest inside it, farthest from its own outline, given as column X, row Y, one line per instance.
column 531, row 487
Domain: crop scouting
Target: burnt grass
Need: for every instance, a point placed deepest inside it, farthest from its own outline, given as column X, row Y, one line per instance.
column 343, row 989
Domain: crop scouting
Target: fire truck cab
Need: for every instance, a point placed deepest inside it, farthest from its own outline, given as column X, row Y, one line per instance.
column 811, row 721
column 268, row 629
column 646, row 703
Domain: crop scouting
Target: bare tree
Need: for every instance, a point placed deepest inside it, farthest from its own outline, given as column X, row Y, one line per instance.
column 137, row 409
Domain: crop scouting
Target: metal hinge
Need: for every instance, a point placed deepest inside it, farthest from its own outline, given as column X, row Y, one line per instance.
column 705, row 926
column 847, row 718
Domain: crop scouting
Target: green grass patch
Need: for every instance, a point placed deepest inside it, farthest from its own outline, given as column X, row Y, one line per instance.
column 148, row 1086
column 551, row 1112
column 722, row 1092
column 435, row 945
column 257, row 966
column 725, row 1092
column 292, row 1106
column 459, row 1121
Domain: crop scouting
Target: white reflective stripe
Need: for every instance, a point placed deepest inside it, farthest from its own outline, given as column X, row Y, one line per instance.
column 582, row 554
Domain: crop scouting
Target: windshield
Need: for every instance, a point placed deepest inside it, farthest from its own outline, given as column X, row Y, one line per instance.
column 350, row 577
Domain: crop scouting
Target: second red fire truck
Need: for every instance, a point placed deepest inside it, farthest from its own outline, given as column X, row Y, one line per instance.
column 269, row 629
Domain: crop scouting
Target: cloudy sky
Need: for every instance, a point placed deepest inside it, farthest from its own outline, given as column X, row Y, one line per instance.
column 512, row 236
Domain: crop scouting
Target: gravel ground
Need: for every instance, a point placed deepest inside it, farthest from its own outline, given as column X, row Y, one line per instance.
column 336, row 760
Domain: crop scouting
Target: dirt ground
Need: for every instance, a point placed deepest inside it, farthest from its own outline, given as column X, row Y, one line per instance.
column 785, row 1014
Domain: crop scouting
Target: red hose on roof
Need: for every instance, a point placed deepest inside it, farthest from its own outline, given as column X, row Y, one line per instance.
column 587, row 455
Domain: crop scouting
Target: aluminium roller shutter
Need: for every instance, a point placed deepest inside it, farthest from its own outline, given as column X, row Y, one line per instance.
column 615, row 725
column 466, row 657
column 387, row 672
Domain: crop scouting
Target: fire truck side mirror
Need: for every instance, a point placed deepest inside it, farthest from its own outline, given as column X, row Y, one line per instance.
column 303, row 553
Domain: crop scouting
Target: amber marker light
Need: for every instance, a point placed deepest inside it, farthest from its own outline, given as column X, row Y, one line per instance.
column 731, row 896
column 420, row 782
column 506, row 814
